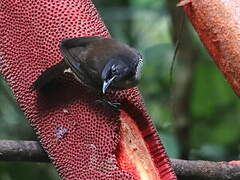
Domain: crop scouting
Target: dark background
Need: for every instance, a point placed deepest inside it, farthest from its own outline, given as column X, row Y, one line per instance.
column 197, row 115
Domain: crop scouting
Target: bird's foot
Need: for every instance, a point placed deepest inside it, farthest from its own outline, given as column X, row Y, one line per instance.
column 114, row 105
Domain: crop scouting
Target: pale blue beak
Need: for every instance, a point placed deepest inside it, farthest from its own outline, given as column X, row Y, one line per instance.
column 107, row 83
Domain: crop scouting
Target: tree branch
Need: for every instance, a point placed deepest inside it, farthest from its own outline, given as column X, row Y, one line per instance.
column 22, row 151
column 201, row 170
column 33, row 152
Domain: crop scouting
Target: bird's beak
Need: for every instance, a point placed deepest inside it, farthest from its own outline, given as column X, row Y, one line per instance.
column 107, row 83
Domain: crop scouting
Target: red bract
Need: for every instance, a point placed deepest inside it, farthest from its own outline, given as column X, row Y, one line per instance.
column 83, row 139
column 218, row 25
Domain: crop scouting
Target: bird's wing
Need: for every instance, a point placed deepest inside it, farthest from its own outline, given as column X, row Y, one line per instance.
column 49, row 75
column 73, row 51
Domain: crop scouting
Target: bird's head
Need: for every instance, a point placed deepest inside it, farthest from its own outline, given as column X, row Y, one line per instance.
column 121, row 72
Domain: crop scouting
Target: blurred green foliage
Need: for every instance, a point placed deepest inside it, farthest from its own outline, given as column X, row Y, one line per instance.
column 214, row 107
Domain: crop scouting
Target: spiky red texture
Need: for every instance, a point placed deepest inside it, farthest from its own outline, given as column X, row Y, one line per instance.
column 81, row 138
column 218, row 25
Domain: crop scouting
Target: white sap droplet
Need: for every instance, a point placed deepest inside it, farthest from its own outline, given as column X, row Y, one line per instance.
column 65, row 110
column 68, row 70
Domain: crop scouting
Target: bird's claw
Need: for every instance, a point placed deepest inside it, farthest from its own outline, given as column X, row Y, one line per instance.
column 113, row 105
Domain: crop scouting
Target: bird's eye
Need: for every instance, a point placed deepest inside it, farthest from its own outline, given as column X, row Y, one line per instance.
column 114, row 69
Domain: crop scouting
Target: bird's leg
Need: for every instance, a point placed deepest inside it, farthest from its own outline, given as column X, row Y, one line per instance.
column 113, row 105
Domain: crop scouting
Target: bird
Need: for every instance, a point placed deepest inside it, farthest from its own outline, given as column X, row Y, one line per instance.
column 98, row 63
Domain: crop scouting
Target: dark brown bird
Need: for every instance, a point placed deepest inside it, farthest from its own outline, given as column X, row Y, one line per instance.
column 98, row 63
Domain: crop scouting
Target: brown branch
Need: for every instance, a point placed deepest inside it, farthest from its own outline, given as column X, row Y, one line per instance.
column 32, row 151
column 201, row 170
column 22, row 151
